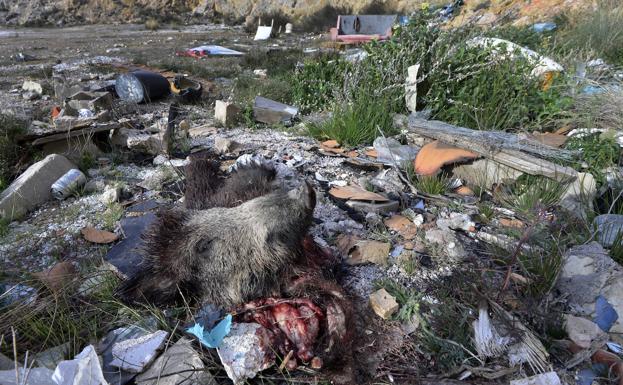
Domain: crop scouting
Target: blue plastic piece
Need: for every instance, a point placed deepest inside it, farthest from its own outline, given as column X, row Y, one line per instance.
column 544, row 27
column 605, row 315
column 214, row 337
column 586, row 377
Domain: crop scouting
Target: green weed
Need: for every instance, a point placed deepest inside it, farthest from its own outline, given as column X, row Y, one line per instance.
column 430, row 184
column 10, row 150
column 409, row 300
column 355, row 124
column 532, row 196
column 111, row 216
column 316, row 83
column 4, row 227
column 598, row 153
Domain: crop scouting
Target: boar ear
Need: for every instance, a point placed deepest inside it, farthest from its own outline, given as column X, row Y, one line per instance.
column 306, row 194
column 310, row 196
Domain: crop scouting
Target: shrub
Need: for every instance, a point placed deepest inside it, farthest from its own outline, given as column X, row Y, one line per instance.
column 152, row 24
column 10, row 150
column 599, row 30
column 316, row 83
column 355, row 123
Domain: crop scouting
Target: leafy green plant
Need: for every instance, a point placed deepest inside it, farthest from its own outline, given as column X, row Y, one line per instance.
column 316, row 83
column 616, row 250
column 111, row 216
column 430, row 184
column 597, row 152
column 409, row 300
column 355, row 124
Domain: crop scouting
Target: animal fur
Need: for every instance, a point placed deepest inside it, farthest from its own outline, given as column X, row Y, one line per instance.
column 224, row 256
column 206, row 189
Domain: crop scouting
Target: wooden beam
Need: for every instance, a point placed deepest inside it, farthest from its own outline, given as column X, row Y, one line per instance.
column 503, row 147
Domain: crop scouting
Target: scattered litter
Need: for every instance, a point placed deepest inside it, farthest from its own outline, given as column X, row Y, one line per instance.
column 94, row 235
column 391, row 151
column 352, row 29
column 68, row 184
column 549, row 378
column 356, row 193
column 188, row 90
column 58, row 276
column 272, row 112
column 246, row 351
column 141, row 86
column 264, row 32
column 35, row 376
column 180, row 364
column 133, row 355
column 542, row 65
column 210, row 50
column 544, row 27
column 84, row 369
column 436, row 154
column 605, row 315
column 214, row 337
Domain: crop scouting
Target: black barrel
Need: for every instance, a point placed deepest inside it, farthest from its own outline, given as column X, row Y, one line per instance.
column 141, row 86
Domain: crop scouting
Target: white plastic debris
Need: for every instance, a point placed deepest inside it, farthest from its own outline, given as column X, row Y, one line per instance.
column 245, row 351
column 135, row 354
column 84, row 369
column 542, row 64
column 33, row 376
column 486, row 339
column 549, row 378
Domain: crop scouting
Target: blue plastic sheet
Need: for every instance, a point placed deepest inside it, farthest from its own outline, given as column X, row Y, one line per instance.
column 213, row 338
column 605, row 315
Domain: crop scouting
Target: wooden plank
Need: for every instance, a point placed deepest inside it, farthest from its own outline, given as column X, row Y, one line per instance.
column 505, row 148
column 71, row 134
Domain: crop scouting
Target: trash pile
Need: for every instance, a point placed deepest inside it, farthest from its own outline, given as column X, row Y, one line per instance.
column 162, row 228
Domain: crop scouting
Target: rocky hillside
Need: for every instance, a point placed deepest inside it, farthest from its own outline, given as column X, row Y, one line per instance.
column 309, row 14
column 58, row 12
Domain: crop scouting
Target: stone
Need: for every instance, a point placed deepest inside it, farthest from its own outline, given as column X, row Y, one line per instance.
column 32, row 86
column 72, row 148
column 112, row 194
column 6, row 363
column 402, row 225
column 485, row 172
column 446, row 239
column 411, row 87
column 179, row 364
column 549, row 378
column 33, row 187
column 89, row 100
column 588, row 274
column 226, row 113
column 36, row 376
column 376, row 208
column 366, row 251
column 50, row 358
column 143, row 142
column 224, row 145
column 246, row 351
column 583, row 331
column 383, row 303
column 579, row 195
column 608, row 226
column 457, row 221
column 133, row 355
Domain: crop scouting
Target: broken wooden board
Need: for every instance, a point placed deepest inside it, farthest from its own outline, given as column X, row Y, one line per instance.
column 356, row 193
column 80, row 132
column 508, row 149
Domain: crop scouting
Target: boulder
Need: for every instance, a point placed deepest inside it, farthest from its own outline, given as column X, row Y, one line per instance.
column 226, row 113
column 33, row 187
